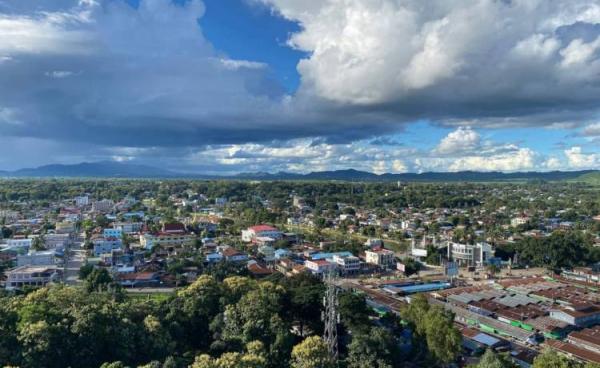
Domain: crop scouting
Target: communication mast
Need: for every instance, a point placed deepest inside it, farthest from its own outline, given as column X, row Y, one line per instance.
column 331, row 316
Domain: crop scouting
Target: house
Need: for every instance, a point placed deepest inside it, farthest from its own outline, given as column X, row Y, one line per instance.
column 267, row 252
column 214, row 257
column 233, row 255
column 381, row 257
column 36, row 258
column 319, row 266
column 112, row 233
column 258, row 270
column 253, row 232
column 31, row 276
column 105, row 245
column 138, row 279
column 16, row 243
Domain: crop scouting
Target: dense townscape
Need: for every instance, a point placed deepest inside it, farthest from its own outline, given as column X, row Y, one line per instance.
column 148, row 273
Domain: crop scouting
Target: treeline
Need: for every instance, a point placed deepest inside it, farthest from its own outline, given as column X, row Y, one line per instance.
column 562, row 249
column 237, row 322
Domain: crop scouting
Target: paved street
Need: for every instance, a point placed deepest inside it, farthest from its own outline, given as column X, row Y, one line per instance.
column 74, row 259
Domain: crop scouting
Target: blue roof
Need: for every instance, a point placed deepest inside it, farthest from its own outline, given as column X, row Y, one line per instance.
column 323, row 255
column 421, row 288
column 486, row 340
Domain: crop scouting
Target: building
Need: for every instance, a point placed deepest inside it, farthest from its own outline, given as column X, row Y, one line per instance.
column 519, row 220
column 166, row 240
column 319, row 266
column 578, row 315
column 347, row 265
column 19, row 243
column 254, row 232
column 39, row 258
column 129, row 227
column 470, row 254
column 105, row 205
column 112, row 233
column 82, row 201
column 233, row 255
column 381, row 257
column 106, row 245
column 36, row 276
column 57, row 241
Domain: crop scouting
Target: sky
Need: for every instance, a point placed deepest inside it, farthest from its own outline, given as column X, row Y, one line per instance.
column 229, row 86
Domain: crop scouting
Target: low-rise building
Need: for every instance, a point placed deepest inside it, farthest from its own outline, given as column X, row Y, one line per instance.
column 36, row 276
column 578, row 315
column 254, row 232
column 319, row 266
column 381, row 257
column 36, row 258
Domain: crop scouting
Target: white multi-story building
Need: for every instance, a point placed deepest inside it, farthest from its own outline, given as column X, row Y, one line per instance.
column 56, row 241
column 347, row 264
column 470, row 254
column 82, row 201
column 36, row 258
column 251, row 233
column 129, row 227
column 106, row 245
column 105, row 205
column 319, row 266
column 519, row 220
column 380, row 257
column 31, row 276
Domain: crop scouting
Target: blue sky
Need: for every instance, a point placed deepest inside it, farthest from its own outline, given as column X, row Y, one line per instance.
column 227, row 86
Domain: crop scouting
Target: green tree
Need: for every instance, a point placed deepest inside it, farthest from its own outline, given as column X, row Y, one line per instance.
column 377, row 349
column 98, row 280
column 311, row 353
column 492, row 360
column 550, row 358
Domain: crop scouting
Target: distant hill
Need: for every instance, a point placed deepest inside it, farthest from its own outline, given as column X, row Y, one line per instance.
column 91, row 169
column 591, row 178
column 111, row 169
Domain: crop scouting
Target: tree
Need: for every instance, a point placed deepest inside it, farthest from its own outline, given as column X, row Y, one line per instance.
column 354, row 312
column 38, row 243
column 311, row 353
column 443, row 339
column 493, row 360
column 98, row 280
column 550, row 358
column 85, row 270
column 377, row 349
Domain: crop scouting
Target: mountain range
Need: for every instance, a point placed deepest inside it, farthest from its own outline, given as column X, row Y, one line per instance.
column 111, row 169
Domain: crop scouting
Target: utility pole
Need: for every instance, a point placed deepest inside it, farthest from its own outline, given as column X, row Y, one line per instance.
column 331, row 316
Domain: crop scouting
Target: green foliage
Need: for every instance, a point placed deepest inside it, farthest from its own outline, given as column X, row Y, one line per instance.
column 490, row 359
column 311, row 353
column 550, row 358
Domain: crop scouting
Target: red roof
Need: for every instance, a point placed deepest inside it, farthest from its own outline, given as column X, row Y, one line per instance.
column 259, row 228
column 175, row 227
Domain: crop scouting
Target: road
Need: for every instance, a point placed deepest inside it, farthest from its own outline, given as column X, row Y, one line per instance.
column 74, row 259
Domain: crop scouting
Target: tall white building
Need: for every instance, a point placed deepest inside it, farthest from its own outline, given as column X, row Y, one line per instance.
column 470, row 254
column 82, row 201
